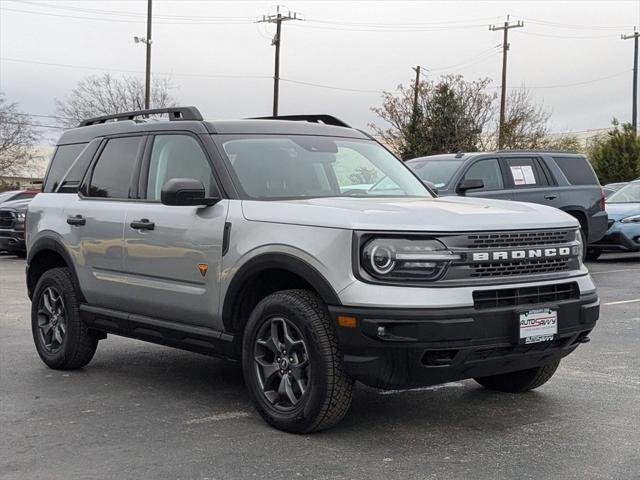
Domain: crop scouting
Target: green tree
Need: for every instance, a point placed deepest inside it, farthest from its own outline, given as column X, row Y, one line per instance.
column 452, row 114
column 616, row 155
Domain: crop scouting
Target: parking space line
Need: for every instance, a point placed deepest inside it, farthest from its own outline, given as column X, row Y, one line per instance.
column 615, row 271
column 622, row 302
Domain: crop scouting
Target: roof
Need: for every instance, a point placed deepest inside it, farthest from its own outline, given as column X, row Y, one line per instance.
column 501, row 153
column 189, row 118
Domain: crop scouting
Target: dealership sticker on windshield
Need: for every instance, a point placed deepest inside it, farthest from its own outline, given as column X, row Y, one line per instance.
column 539, row 325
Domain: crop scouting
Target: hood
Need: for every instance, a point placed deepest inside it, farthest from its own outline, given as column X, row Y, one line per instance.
column 19, row 205
column 616, row 211
column 448, row 214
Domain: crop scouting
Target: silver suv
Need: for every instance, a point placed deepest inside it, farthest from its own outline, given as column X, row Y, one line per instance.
column 260, row 240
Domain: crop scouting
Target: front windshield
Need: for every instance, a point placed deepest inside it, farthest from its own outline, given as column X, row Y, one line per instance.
column 436, row 171
column 300, row 166
column 628, row 194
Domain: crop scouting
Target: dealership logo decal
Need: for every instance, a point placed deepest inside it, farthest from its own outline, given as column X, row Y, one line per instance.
column 529, row 254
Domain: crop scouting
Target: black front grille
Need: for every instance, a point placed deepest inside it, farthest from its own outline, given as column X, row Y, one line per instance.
column 509, row 269
column 512, row 297
column 519, row 239
column 6, row 219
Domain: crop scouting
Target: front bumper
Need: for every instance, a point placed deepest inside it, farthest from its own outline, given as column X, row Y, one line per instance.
column 430, row 346
column 12, row 241
column 623, row 237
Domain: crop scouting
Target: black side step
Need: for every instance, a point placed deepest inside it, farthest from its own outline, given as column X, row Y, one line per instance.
column 163, row 332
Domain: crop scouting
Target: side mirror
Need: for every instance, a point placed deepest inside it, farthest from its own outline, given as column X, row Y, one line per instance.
column 186, row 192
column 470, row 184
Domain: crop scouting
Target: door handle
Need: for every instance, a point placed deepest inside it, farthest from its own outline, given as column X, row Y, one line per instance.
column 551, row 196
column 143, row 224
column 77, row 221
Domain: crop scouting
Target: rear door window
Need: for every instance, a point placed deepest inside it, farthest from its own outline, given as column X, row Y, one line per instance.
column 62, row 159
column 487, row 170
column 113, row 171
column 525, row 173
column 577, row 170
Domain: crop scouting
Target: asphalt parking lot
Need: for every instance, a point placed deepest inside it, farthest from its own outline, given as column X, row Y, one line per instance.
column 144, row 411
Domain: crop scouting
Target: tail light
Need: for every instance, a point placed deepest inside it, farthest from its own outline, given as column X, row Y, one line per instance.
column 602, row 198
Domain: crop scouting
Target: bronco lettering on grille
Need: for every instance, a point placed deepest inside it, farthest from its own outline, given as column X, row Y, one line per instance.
column 531, row 254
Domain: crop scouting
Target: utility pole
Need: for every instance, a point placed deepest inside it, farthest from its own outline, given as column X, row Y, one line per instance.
column 278, row 18
column 147, row 84
column 634, row 110
column 415, row 90
column 505, row 49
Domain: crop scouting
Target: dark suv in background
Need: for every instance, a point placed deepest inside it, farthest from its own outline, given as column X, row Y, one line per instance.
column 558, row 179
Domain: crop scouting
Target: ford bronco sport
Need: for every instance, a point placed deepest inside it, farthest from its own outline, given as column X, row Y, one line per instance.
column 246, row 239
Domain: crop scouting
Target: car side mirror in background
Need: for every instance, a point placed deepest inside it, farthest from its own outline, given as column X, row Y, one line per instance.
column 469, row 184
column 186, row 192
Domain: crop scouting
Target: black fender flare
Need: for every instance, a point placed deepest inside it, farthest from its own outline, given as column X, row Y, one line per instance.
column 281, row 261
column 53, row 242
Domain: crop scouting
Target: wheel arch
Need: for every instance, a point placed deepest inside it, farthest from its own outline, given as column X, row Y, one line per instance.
column 46, row 253
column 263, row 275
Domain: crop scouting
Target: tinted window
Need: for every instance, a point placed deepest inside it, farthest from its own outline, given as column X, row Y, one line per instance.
column 60, row 163
column 305, row 166
column 488, row 171
column 577, row 170
column 112, row 173
column 176, row 156
column 525, row 173
column 438, row 172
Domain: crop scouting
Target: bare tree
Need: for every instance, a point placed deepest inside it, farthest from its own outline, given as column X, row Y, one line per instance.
column 17, row 138
column 451, row 114
column 104, row 95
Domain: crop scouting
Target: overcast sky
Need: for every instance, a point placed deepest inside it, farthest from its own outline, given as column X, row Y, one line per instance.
column 569, row 52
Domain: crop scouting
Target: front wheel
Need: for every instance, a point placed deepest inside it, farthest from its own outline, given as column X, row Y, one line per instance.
column 520, row 381
column 291, row 363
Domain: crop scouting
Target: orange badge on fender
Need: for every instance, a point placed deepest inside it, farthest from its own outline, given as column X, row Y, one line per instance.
column 203, row 267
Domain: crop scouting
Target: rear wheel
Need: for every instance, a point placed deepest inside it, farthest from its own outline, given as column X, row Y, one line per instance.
column 62, row 340
column 593, row 253
column 520, row 381
column 291, row 363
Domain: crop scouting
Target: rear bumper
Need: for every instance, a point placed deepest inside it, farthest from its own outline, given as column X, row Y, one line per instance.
column 12, row 241
column 598, row 225
column 430, row 346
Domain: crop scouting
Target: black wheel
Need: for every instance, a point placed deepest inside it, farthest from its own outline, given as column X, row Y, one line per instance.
column 291, row 363
column 593, row 253
column 520, row 381
column 62, row 340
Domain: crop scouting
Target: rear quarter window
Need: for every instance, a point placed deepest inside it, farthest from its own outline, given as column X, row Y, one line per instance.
column 577, row 170
column 62, row 159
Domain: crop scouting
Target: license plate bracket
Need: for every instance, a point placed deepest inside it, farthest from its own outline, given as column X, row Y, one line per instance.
column 537, row 325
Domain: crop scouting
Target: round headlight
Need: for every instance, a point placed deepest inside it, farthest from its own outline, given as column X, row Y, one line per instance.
column 382, row 259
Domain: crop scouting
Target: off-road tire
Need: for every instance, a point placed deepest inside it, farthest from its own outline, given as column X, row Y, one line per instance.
column 78, row 344
column 329, row 391
column 520, row 381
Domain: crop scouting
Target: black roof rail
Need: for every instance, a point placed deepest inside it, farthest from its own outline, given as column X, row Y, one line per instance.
column 538, row 150
column 313, row 118
column 175, row 113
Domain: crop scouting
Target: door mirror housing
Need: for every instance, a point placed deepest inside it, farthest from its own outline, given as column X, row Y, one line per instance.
column 470, row 184
column 186, row 192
